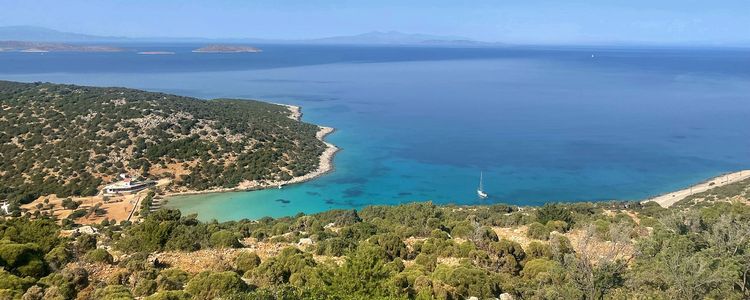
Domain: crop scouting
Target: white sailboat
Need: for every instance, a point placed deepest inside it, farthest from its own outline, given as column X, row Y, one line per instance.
column 480, row 190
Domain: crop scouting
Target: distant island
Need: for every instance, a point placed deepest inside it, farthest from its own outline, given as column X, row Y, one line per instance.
column 227, row 49
column 21, row 46
column 155, row 52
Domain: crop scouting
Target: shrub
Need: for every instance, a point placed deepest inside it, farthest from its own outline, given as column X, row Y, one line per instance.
column 14, row 283
column 553, row 212
column 483, row 236
column 212, row 285
column 334, row 247
column 77, row 214
column 224, row 239
column 278, row 269
column 601, row 229
column 535, row 267
column 538, row 231
column 465, row 281
column 429, row 262
column 246, row 261
column 559, row 226
column 112, row 292
column 58, row 257
column 560, row 246
column 85, row 243
column 144, row 287
column 99, row 255
column 169, row 295
column 22, row 259
column 536, row 249
column 171, row 279
column 392, row 245
column 67, row 203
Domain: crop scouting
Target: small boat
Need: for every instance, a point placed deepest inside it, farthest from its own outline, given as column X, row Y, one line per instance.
column 281, row 186
column 480, row 190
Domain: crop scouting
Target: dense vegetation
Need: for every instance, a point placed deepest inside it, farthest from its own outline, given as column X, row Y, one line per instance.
column 67, row 140
column 413, row 251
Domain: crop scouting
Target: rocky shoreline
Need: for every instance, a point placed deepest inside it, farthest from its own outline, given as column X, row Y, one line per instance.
column 325, row 164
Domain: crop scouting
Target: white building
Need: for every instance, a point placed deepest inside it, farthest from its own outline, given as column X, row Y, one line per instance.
column 127, row 185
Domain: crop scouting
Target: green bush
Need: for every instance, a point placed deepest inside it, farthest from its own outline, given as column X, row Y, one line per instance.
column 211, row 285
column 99, row 256
column 224, row 239
column 553, row 212
column 67, row 203
column 171, row 279
column 392, row 245
column 559, row 246
column 334, row 247
column 246, row 261
column 169, row 295
column 536, row 267
column 22, row 259
column 464, row 281
column 279, row 269
column 144, row 287
column 538, row 231
column 559, row 226
column 536, row 249
column 14, row 283
column 78, row 213
column 113, row 292
column 429, row 262
column 58, row 257
column 601, row 229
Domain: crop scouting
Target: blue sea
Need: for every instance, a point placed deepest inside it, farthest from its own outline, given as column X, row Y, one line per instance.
column 419, row 124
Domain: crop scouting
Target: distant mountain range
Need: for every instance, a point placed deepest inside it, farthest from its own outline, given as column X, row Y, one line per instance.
column 41, row 34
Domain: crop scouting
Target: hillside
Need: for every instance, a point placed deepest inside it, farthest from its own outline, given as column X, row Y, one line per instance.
column 69, row 140
column 415, row 251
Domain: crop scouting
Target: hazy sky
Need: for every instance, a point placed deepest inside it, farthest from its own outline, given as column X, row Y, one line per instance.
column 522, row 21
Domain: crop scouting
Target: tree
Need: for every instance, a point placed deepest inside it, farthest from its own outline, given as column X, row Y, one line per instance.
column 367, row 265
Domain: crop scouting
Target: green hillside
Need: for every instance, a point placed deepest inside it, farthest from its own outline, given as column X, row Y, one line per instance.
column 68, row 140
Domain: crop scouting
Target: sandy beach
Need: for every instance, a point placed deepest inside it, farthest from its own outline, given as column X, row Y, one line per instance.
column 670, row 199
column 325, row 164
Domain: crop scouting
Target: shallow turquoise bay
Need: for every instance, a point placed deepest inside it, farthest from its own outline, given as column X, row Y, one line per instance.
column 420, row 124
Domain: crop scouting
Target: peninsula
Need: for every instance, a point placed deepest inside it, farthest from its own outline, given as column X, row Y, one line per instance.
column 227, row 49
column 71, row 141
column 20, row 46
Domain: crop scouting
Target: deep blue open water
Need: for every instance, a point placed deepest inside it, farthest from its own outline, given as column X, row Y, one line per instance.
column 418, row 124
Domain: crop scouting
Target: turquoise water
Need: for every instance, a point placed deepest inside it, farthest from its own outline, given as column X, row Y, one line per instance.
column 418, row 124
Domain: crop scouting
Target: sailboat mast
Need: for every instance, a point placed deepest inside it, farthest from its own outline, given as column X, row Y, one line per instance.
column 480, row 180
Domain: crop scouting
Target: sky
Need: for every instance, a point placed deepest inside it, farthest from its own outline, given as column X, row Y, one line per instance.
column 715, row 22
